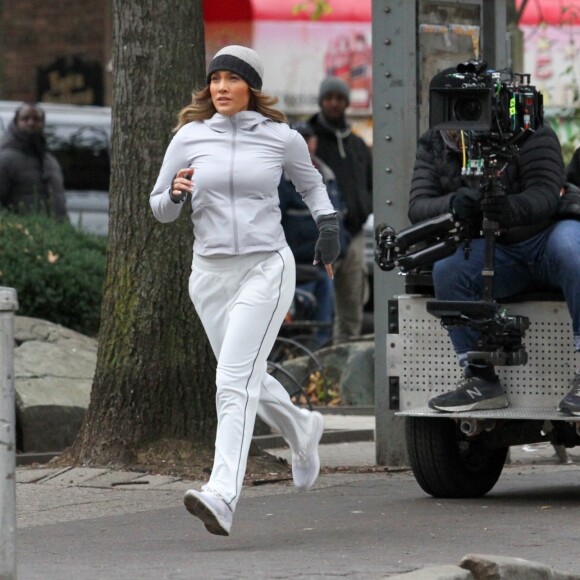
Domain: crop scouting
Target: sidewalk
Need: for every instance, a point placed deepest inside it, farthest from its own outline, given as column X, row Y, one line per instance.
column 68, row 494
column 48, row 495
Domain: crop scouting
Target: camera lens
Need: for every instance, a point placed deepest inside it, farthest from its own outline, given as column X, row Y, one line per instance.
column 467, row 109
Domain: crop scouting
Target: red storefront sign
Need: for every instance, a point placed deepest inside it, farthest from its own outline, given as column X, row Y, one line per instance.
column 299, row 52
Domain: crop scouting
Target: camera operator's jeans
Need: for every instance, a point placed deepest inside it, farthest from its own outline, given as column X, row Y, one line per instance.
column 549, row 259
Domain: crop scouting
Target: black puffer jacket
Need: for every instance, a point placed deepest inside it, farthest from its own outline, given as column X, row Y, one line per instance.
column 31, row 179
column 350, row 159
column 573, row 169
column 532, row 181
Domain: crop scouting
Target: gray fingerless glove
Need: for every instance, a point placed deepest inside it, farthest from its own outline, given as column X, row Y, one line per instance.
column 327, row 247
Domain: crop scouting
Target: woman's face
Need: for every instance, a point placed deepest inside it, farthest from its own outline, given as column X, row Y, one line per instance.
column 230, row 94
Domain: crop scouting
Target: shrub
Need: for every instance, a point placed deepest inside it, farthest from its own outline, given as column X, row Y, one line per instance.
column 57, row 271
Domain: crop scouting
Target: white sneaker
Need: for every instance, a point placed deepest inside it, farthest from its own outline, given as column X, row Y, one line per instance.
column 211, row 509
column 306, row 463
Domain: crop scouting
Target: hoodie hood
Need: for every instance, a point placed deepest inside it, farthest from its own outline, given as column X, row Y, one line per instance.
column 339, row 133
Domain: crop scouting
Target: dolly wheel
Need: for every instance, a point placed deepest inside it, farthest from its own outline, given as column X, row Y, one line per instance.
column 446, row 464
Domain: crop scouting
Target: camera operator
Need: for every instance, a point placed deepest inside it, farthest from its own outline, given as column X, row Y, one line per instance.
column 532, row 248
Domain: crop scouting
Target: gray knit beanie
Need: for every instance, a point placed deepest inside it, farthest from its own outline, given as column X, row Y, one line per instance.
column 240, row 60
column 333, row 85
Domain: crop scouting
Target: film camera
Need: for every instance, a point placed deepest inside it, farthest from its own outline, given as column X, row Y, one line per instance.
column 497, row 103
column 494, row 110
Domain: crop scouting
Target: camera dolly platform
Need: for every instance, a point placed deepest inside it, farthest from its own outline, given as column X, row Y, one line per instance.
column 462, row 454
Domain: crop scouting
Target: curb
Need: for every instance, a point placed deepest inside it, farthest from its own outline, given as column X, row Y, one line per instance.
column 346, row 410
column 334, row 436
column 263, row 441
column 27, row 459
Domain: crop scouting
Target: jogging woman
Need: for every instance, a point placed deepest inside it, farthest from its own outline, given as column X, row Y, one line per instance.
column 229, row 151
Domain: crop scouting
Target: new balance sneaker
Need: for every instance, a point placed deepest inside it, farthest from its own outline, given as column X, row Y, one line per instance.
column 570, row 404
column 211, row 509
column 306, row 463
column 471, row 394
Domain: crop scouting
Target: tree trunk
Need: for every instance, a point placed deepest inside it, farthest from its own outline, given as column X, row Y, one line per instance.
column 155, row 370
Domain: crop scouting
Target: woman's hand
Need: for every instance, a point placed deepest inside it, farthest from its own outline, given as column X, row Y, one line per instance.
column 181, row 185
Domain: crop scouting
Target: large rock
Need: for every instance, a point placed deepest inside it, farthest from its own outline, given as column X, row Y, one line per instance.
column 54, row 369
column 488, row 567
column 351, row 364
column 491, row 567
column 354, row 364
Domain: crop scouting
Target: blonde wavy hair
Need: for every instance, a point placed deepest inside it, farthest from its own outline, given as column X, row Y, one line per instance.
column 201, row 107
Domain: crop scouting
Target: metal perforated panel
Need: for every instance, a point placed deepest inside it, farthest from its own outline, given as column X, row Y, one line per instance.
column 422, row 357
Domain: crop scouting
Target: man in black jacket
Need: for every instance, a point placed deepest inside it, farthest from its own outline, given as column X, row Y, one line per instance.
column 31, row 179
column 532, row 247
column 350, row 159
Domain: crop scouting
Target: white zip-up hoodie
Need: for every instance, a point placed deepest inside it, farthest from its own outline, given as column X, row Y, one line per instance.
column 237, row 164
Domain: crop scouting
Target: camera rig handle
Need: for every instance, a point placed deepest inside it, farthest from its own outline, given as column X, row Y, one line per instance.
column 418, row 245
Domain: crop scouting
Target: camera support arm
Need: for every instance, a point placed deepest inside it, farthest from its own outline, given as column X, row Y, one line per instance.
column 418, row 245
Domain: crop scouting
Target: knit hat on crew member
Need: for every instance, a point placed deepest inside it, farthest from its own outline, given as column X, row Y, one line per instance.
column 240, row 60
column 333, row 85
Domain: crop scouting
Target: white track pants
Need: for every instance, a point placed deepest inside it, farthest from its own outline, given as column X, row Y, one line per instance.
column 242, row 302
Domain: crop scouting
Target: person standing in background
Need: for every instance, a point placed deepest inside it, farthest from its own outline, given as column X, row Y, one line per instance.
column 31, row 179
column 350, row 159
column 301, row 233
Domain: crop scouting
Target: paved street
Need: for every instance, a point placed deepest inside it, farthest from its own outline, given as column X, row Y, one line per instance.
column 88, row 525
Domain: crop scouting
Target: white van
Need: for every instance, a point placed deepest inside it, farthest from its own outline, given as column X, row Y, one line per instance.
column 79, row 136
